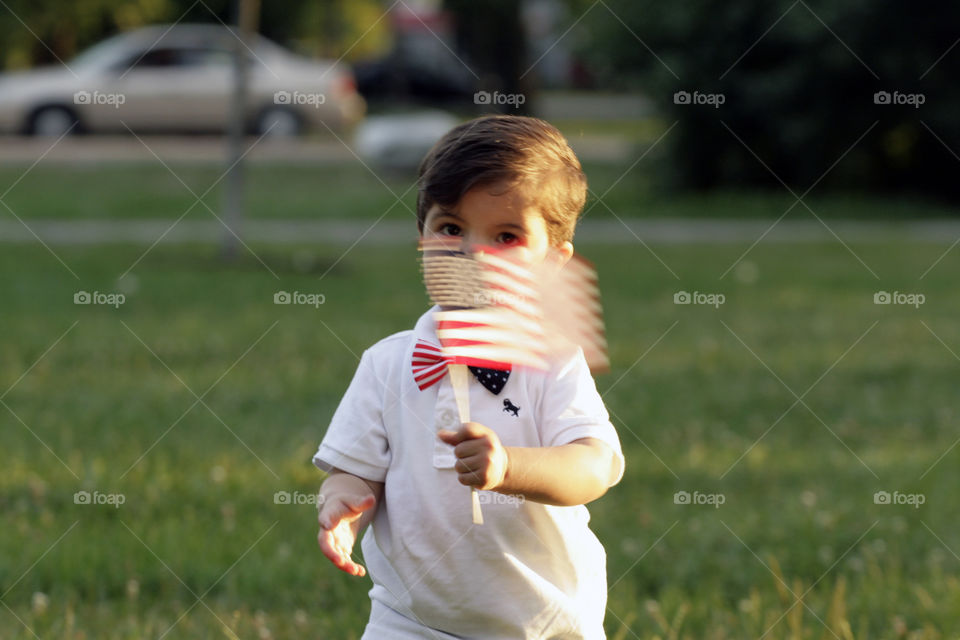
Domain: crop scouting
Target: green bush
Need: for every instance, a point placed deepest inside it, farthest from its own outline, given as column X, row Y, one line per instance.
column 798, row 83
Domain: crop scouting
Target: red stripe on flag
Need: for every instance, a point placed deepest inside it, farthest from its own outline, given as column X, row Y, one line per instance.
column 480, row 362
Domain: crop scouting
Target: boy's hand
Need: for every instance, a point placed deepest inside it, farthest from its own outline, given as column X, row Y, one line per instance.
column 337, row 532
column 481, row 458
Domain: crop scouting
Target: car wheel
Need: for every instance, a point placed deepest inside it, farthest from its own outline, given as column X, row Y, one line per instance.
column 52, row 121
column 279, row 123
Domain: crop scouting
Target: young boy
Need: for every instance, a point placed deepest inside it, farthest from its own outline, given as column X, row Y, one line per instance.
column 541, row 446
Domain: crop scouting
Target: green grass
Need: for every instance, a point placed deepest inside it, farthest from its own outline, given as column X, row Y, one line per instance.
column 296, row 191
column 798, row 505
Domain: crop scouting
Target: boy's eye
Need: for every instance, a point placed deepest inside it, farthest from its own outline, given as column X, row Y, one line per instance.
column 508, row 239
column 449, row 229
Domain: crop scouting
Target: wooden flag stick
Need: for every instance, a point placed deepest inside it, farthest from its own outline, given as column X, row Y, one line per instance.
column 458, row 378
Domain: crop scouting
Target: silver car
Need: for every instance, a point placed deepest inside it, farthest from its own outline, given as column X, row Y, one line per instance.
column 178, row 78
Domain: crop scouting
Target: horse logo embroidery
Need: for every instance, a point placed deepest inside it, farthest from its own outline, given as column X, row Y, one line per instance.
column 509, row 407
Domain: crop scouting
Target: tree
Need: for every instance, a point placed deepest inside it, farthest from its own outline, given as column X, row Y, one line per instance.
column 797, row 81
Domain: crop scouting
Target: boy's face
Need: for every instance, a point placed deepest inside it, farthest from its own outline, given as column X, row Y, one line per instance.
column 491, row 216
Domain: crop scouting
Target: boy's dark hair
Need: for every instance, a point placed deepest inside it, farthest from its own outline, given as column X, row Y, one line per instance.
column 512, row 150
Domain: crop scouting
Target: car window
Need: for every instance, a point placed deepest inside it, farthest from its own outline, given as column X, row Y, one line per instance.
column 177, row 57
column 160, row 57
column 200, row 57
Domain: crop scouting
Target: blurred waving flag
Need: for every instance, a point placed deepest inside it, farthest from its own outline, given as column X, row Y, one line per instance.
column 572, row 311
column 500, row 310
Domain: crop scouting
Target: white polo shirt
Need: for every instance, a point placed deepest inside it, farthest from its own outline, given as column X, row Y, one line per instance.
column 531, row 570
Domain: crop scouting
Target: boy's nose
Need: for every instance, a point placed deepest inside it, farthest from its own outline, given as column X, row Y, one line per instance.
column 467, row 243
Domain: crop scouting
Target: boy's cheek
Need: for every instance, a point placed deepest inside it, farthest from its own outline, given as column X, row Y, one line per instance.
column 523, row 254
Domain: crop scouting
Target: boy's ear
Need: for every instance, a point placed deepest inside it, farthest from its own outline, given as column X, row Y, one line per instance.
column 562, row 253
column 558, row 256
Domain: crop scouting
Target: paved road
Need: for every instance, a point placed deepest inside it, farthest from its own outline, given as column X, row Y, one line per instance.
column 398, row 232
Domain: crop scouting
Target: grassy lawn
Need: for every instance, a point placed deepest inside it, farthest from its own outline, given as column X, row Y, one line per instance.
column 199, row 518
column 149, row 190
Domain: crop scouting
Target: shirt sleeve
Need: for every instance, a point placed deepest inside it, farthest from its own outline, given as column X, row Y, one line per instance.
column 356, row 440
column 573, row 409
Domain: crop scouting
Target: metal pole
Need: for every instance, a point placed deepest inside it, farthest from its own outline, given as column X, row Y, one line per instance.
column 248, row 12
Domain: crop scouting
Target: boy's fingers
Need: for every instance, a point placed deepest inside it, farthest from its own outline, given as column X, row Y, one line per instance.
column 348, row 509
column 469, row 431
column 364, row 503
column 475, row 447
column 471, row 479
column 347, row 565
column 331, row 516
column 469, row 465
column 450, row 437
column 338, row 556
column 472, row 462
column 473, row 430
column 328, row 549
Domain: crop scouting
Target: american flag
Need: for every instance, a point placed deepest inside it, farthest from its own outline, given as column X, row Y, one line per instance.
column 491, row 315
column 573, row 313
column 500, row 310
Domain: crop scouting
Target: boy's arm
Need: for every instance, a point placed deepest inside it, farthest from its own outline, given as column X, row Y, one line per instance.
column 571, row 474
column 347, row 506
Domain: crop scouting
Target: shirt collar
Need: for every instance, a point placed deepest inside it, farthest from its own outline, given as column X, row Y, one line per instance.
column 426, row 327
